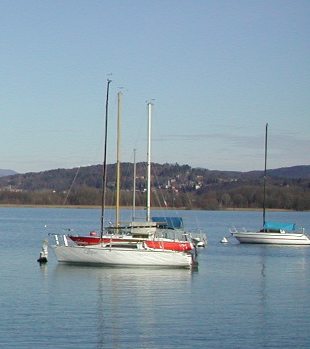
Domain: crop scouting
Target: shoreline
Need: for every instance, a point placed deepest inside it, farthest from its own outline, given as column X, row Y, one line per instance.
column 142, row 208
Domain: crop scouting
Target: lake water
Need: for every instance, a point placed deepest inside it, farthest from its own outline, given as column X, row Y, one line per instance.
column 242, row 296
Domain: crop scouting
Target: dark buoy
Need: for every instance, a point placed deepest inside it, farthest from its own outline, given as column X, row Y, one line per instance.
column 42, row 260
column 43, row 254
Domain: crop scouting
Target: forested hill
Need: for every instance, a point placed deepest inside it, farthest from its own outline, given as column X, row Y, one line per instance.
column 296, row 172
column 178, row 185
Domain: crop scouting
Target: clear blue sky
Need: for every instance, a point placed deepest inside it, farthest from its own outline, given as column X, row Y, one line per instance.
column 218, row 70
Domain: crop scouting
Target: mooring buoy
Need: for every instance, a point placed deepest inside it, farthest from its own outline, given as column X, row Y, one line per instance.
column 43, row 253
column 224, row 240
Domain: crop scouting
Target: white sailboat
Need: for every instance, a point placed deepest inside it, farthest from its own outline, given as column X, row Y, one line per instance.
column 272, row 236
column 156, row 232
column 272, row 232
column 128, row 252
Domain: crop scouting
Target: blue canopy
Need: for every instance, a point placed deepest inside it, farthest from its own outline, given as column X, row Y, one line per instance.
column 278, row 226
column 170, row 222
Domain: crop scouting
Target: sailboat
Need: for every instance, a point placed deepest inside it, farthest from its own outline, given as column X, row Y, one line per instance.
column 155, row 232
column 127, row 252
column 272, row 232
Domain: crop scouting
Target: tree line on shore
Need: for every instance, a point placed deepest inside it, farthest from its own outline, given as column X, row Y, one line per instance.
column 246, row 197
column 173, row 186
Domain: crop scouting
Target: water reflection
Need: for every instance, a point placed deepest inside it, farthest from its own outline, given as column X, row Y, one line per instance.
column 283, row 282
column 128, row 304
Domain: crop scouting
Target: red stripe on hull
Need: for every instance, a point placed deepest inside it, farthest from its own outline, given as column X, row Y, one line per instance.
column 166, row 245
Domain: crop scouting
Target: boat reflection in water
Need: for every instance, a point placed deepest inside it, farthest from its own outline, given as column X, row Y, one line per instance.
column 126, row 305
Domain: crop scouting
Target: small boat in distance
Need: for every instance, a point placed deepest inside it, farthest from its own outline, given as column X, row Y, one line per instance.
column 272, row 232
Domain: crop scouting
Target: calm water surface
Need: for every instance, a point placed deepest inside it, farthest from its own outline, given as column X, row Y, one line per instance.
column 242, row 296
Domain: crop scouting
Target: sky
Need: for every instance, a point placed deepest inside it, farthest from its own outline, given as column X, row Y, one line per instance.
column 216, row 72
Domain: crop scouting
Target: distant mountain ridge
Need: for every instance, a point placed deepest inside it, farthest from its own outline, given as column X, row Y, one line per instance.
column 301, row 171
column 4, row 173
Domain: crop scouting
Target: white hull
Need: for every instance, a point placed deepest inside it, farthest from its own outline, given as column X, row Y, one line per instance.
column 278, row 238
column 114, row 256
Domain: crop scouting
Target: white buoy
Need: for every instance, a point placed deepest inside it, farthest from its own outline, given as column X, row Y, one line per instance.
column 224, row 240
column 44, row 253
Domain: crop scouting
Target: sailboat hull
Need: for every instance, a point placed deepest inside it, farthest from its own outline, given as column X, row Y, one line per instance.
column 130, row 257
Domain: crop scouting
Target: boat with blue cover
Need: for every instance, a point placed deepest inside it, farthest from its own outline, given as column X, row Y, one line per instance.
column 272, row 232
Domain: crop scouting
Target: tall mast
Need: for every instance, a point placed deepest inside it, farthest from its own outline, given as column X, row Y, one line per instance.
column 119, row 105
column 104, row 169
column 265, row 176
column 134, row 186
column 148, row 201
